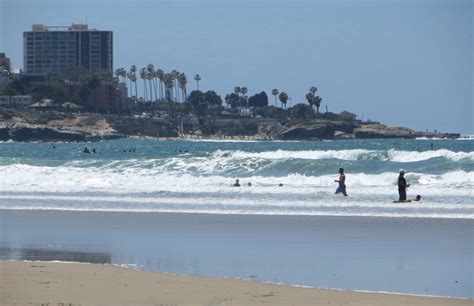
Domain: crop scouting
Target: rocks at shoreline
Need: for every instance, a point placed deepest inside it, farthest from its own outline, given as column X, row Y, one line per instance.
column 89, row 127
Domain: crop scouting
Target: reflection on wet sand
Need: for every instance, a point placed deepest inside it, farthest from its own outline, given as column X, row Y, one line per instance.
column 37, row 254
column 50, row 255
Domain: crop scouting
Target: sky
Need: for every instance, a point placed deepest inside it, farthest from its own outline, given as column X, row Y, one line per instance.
column 399, row 62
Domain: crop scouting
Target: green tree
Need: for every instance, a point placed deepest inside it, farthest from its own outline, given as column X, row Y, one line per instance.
column 183, row 80
column 258, row 100
column 310, row 99
column 143, row 76
column 9, row 91
column 197, row 78
column 92, row 84
column 150, row 76
column 213, row 99
column 275, row 92
column 317, row 102
column 160, row 74
column 198, row 102
column 175, row 76
column 301, row 112
column 283, row 96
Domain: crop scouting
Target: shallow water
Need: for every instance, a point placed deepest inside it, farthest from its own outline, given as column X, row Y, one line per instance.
column 409, row 255
column 195, row 177
column 169, row 206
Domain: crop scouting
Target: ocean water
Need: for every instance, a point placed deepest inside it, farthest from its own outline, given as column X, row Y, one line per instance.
column 137, row 175
column 169, row 206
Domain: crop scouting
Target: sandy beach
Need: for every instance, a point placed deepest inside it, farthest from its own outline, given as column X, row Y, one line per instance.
column 24, row 283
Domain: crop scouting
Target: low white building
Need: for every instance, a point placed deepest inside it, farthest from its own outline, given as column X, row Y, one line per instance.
column 15, row 100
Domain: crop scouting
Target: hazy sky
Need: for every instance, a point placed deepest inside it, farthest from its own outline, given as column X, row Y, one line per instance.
column 407, row 63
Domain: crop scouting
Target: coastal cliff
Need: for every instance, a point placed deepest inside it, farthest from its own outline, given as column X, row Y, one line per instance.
column 53, row 126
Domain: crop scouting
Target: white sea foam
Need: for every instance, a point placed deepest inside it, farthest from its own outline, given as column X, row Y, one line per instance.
column 20, row 177
column 354, row 154
column 414, row 156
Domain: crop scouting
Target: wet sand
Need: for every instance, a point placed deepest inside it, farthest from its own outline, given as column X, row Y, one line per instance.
column 410, row 256
column 37, row 282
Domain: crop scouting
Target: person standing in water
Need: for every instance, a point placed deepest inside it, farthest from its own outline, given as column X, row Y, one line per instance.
column 402, row 186
column 342, row 183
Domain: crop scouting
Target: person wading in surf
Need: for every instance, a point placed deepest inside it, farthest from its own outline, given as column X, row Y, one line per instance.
column 402, row 186
column 342, row 183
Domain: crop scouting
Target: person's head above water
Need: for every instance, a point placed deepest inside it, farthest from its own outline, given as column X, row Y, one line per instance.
column 418, row 197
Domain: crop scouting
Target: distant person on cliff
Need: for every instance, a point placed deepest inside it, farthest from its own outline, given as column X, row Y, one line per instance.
column 237, row 183
column 402, row 186
column 342, row 183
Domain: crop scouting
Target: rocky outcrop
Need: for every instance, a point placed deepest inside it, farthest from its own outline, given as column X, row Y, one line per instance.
column 383, row 131
column 43, row 134
column 55, row 128
column 322, row 130
column 129, row 126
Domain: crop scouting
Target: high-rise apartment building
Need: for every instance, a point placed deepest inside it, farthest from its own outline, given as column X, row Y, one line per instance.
column 53, row 49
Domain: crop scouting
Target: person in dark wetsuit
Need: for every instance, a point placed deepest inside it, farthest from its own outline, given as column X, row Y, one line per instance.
column 402, row 186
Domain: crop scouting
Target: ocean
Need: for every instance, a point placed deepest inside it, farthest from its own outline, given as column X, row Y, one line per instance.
column 170, row 206
column 136, row 175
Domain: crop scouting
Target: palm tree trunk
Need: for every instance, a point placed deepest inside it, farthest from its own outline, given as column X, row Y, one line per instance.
column 176, row 91
column 136, row 89
column 144, row 90
column 151, row 91
column 155, row 85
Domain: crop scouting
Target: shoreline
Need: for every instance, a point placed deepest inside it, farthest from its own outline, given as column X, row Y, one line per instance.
column 300, row 251
column 211, row 214
column 51, row 282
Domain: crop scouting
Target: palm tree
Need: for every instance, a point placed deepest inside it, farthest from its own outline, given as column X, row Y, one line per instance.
column 118, row 73
column 237, row 90
column 143, row 77
column 182, row 80
column 121, row 72
column 168, row 80
column 317, row 102
column 175, row 75
column 275, row 92
column 283, row 96
column 132, row 77
column 150, row 77
column 310, row 98
column 160, row 74
column 197, row 78
column 243, row 91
